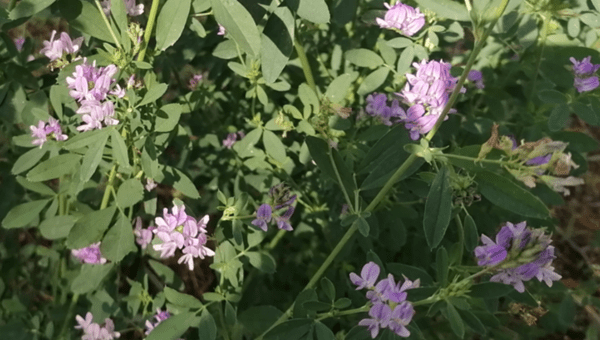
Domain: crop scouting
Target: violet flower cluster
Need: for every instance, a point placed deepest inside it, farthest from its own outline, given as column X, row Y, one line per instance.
column 402, row 18
column 280, row 211
column 390, row 309
column 177, row 230
column 195, row 81
column 232, row 138
column 518, row 254
column 143, row 237
column 93, row 331
column 90, row 86
column 477, row 78
column 41, row 132
column 90, row 254
column 131, row 8
column 55, row 50
column 585, row 74
column 539, row 161
column 160, row 316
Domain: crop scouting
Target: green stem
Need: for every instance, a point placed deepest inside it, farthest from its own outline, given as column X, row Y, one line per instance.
column 332, row 314
column 390, row 183
column 478, row 46
column 305, row 65
column 491, row 161
column 109, row 187
column 68, row 316
column 544, row 35
column 149, row 28
column 280, row 234
column 461, row 237
column 112, row 33
column 339, row 179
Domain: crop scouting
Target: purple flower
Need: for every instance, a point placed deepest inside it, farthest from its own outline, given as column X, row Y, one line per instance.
column 403, row 18
column 55, row 130
column 376, row 104
column 221, row 30
column 519, row 255
column 230, row 140
column 400, row 318
column 19, row 42
column 150, row 184
column 143, row 236
column 540, row 160
column 476, row 77
column 380, row 318
column 368, row 276
column 93, row 331
column 194, row 81
column 584, row 70
column 38, row 133
column 131, row 8
column 96, row 114
column 283, row 219
column 90, row 254
column 160, row 316
column 55, row 49
column 263, row 216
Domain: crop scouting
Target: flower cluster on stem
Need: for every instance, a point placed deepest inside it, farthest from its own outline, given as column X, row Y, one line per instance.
column 58, row 50
column 402, row 18
column 389, row 306
column 93, row 331
column 41, row 132
column 131, row 8
column 518, row 254
column 585, row 74
column 177, row 230
column 90, row 254
column 280, row 211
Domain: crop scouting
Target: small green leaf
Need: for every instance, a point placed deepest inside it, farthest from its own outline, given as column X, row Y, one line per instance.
column 559, row 117
column 27, row 8
column 446, row 9
column 258, row 319
column 155, row 92
column 174, row 327
column 441, row 265
column 85, row 17
column 38, row 187
column 328, row 288
column 312, row 10
column 338, row 88
column 456, row 323
column 118, row 241
column 277, row 43
column 364, row 58
column 90, row 228
column 342, row 303
column 471, row 234
column 180, row 299
column 28, row 160
column 130, row 192
column 239, row 24
column 90, row 277
column 207, row 329
column 23, row 214
column 322, row 332
column 363, row 226
column 57, row 227
column 472, row 322
column 552, row 97
column 373, row 81
column 53, row 167
column 438, row 209
column 274, row 146
column 92, row 159
column 317, row 306
column 261, row 261
column 84, row 139
column 171, row 22
column 167, row 117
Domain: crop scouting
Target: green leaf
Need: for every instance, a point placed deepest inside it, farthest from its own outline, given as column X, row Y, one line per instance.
column 90, row 277
column 363, row 226
column 130, row 192
column 456, row 323
column 180, row 299
column 441, row 265
column 57, row 227
column 342, row 303
column 207, row 329
column 318, row 151
column 438, row 209
column 92, row 159
column 118, row 241
column 508, row 195
column 166, row 274
column 413, row 273
column 119, row 13
column 338, row 89
column 472, row 322
column 27, row 8
column 328, row 288
column 294, row 329
column 277, row 43
column 322, row 332
column 446, row 9
column 274, row 146
column 174, row 327
column 471, row 234
column 85, row 17
column 119, row 149
column 28, row 160
column 309, row 99
column 180, row 181
column 261, row 261
column 258, row 319
column 84, row 139
column 244, row 146
column 89, row 228
column 53, row 167
column 399, row 42
column 312, row 10
column 373, row 81
column 153, row 94
column 364, row 58
column 552, row 97
column 490, row 290
column 405, row 60
column 171, row 22
column 40, row 188
column 585, row 112
column 23, row 214
column 239, row 24
column 567, row 311
column 559, row 117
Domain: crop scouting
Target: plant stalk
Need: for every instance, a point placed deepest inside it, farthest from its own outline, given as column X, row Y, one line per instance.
column 112, row 33
column 305, row 65
column 149, row 28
